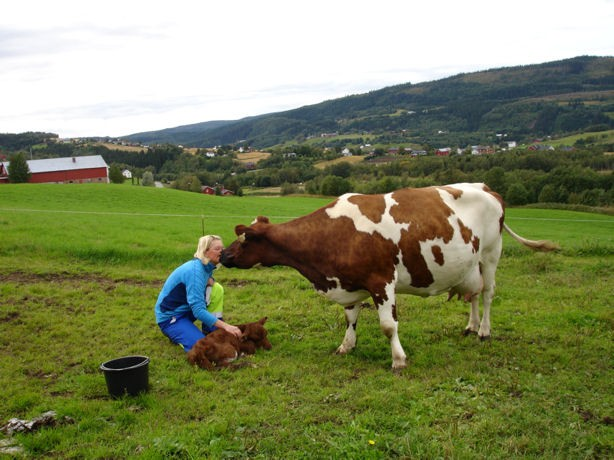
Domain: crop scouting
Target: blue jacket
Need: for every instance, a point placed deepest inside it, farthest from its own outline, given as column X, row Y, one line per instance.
column 184, row 291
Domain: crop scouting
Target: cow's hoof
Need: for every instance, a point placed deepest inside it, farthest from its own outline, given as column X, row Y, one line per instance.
column 398, row 370
column 468, row 331
column 399, row 365
column 342, row 350
column 483, row 338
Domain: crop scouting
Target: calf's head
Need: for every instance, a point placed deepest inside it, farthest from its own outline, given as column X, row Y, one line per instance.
column 256, row 333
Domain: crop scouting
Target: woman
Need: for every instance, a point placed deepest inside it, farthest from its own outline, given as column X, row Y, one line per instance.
column 191, row 293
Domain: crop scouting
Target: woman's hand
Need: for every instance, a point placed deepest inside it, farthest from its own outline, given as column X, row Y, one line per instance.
column 234, row 330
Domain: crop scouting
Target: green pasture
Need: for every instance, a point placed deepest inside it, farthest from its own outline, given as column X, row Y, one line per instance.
column 599, row 137
column 81, row 267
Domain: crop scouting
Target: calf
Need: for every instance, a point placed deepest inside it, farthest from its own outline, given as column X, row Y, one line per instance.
column 220, row 348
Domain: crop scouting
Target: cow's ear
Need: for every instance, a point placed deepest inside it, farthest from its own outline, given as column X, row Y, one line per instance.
column 240, row 229
column 262, row 219
column 244, row 232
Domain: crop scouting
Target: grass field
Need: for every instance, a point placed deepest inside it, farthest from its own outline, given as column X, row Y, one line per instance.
column 601, row 137
column 81, row 267
column 252, row 157
column 352, row 160
column 127, row 148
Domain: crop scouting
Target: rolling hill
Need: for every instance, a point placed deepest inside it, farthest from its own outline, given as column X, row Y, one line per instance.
column 524, row 102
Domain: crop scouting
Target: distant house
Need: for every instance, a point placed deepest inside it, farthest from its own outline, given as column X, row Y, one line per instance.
column 69, row 170
column 208, row 190
column 482, row 150
column 444, row 152
column 540, row 147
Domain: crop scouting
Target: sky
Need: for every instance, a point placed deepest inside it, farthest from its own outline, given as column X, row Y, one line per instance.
column 114, row 68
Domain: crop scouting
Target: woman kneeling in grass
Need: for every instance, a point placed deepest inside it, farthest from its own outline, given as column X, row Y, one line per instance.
column 191, row 293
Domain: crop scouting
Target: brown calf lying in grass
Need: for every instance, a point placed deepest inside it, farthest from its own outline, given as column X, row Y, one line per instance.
column 220, row 348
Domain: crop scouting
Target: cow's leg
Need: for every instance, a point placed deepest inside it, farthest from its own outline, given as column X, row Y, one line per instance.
column 470, row 289
column 489, row 267
column 474, row 316
column 351, row 318
column 389, row 325
column 487, row 296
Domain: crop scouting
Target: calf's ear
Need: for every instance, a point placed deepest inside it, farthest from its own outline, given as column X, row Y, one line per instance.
column 263, row 320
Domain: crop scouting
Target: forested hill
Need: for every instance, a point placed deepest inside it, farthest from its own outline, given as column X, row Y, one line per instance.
column 523, row 102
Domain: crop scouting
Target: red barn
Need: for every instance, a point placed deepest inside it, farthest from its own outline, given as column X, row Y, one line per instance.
column 70, row 170
column 443, row 152
column 4, row 172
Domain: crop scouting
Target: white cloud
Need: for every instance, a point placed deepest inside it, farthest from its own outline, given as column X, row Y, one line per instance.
column 114, row 68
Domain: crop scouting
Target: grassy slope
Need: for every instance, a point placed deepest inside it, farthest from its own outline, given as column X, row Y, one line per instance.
column 77, row 288
column 601, row 137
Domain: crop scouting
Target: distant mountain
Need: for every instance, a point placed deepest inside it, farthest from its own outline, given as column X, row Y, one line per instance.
column 521, row 102
column 177, row 135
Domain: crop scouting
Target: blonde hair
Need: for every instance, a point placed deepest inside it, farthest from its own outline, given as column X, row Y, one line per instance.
column 204, row 243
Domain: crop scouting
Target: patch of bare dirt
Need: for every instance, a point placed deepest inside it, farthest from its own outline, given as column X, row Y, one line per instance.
column 11, row 316
column 21, row 277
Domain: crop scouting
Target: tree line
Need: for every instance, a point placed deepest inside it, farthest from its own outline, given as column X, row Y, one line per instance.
column 583, row 175
column 579, row 176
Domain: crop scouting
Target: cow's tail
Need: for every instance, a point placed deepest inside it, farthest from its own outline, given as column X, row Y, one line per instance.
column 541, row 245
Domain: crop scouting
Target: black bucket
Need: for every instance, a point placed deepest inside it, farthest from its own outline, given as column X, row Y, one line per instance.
column 129, row 374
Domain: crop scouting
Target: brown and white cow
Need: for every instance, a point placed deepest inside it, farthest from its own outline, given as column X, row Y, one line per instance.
column 424, row 241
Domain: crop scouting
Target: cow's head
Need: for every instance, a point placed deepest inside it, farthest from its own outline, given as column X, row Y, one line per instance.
column 250, row 247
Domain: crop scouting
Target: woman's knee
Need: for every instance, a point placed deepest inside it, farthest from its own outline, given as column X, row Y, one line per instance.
column 217, row 290
column 216, row 300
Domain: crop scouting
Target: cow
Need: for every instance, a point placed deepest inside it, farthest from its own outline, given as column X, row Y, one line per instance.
column 421, row 241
